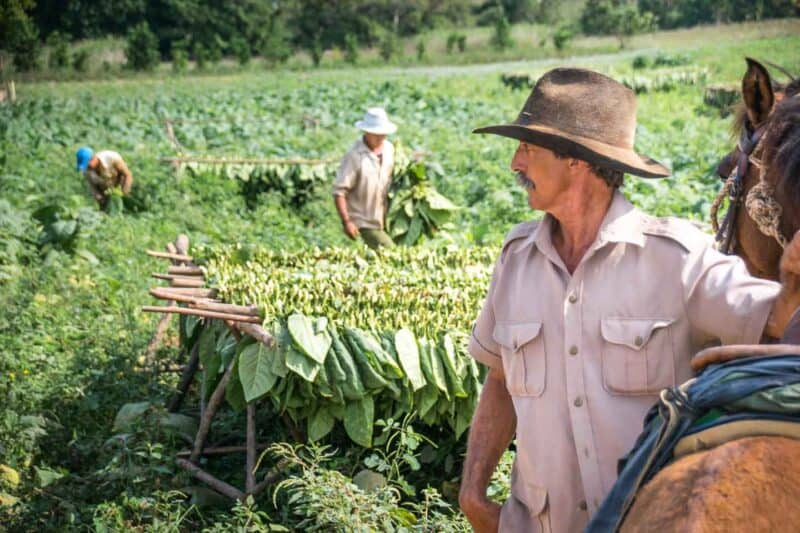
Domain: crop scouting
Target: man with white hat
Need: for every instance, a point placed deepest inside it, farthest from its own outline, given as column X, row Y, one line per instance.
column 363, row 180
column 593, row 310
column 103, row 170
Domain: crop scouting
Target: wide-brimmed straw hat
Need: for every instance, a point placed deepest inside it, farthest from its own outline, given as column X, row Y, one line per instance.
column 375, row 121
column 585, row 115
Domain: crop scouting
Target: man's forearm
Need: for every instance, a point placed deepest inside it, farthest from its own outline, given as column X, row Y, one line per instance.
column 493, row 426
column 341, row 208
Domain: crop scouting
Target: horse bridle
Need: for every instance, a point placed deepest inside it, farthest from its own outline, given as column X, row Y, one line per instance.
column 748, row 141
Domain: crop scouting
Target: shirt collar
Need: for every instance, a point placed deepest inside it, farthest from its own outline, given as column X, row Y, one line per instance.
column 622, row 223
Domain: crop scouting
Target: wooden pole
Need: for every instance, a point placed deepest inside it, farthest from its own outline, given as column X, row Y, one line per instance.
column 244, row 161
column 186, row 380
column 202, row 313
column 218, row 485
column 272, row 477
column 257, row 332
column 168, row 255
column 250, row 462
column 186, row 291
column 185, row 270
column 220, row 450
column 210, row 411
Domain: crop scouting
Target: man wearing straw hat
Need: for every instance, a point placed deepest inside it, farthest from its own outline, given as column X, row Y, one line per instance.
column 362, row 183
column 592, row 310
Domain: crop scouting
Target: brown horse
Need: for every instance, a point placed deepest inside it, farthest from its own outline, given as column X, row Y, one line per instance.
column 750, row 484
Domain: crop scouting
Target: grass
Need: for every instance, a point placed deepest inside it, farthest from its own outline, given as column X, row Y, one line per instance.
column 70, row 327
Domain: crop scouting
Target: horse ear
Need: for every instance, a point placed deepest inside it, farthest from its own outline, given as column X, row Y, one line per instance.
column 757, row 92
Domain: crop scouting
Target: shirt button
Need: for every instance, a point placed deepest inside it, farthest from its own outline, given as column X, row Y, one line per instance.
column 582, row 506
column 578, row 401
column 573, row 298
column 573, row 350
column 638, row 341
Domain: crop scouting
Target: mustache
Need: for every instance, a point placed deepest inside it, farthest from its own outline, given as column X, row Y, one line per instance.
column 525, row 182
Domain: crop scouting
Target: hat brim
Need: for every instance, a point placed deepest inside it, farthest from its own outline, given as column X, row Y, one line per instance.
column 82, row 167
column 386, row 129
column 591, row 150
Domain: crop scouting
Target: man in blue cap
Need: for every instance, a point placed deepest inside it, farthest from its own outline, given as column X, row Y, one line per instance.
column 104, row 171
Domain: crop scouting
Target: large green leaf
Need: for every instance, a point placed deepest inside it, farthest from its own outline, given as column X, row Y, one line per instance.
column 320, row 424
column 234, row 392
column 414, row 230
column 359, row 420
column 408, row 353
column 303, row 366
column 254, row 371
column 314, row 344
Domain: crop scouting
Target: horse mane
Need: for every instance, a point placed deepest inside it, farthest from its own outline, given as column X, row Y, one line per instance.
column 782, row 143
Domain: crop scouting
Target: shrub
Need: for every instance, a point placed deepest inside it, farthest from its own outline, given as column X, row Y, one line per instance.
column 316, row 51
column 388, row 45
column 141, row 51
column 351, row 48
column 462, row 42
column 420, row 50
column 200, row 55
column 452, row 40
column 80, row 60
column 501, row 38
column 179, row 55
column 640, row 62
column 59, row 50
column 214, row 48
column 241, row 49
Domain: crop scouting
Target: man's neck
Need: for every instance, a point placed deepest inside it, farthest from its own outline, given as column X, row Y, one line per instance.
column 578, row 223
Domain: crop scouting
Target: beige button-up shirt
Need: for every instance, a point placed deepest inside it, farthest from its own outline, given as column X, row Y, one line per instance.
column 584, row 355
column 364, row 179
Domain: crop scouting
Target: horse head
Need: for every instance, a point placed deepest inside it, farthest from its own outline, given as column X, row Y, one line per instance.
column 762, row 173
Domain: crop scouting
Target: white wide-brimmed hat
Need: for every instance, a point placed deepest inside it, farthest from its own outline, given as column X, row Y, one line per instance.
column 375, row 121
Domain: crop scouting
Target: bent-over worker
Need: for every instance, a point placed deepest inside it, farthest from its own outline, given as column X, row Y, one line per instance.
column 103, row 170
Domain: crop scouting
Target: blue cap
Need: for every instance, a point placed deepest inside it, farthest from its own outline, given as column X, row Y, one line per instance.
column 83, row 155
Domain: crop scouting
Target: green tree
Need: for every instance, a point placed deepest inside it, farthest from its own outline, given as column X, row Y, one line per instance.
column 141, row 50
column 276, row 48
column 58, row 56
column 620, row 18
column 200, row 54
column 501, row 38
column 18, row 35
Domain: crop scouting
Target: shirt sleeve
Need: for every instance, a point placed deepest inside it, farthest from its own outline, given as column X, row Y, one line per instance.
column 482, row 346
column 345, row 176
column 724, row 301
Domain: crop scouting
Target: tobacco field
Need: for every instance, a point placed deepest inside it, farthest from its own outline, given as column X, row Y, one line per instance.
column 370, row 364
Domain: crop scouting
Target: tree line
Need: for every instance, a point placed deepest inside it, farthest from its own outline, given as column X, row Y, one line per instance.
column 205, row 30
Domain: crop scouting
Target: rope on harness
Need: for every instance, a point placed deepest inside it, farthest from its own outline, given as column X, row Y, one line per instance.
column 765, row 211
column 723, row 193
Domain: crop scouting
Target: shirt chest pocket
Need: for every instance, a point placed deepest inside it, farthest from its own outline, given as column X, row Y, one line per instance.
column 523, row 354
column 638, row 356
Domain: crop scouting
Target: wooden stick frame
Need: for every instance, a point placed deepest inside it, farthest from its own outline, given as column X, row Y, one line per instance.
column 240, row 320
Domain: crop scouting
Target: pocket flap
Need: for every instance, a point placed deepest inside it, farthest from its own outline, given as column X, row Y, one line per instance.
column 631, row 332
column 515, row 336
column 533, row 496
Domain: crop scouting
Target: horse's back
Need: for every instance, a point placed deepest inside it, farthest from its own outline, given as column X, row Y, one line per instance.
column 750, row 484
